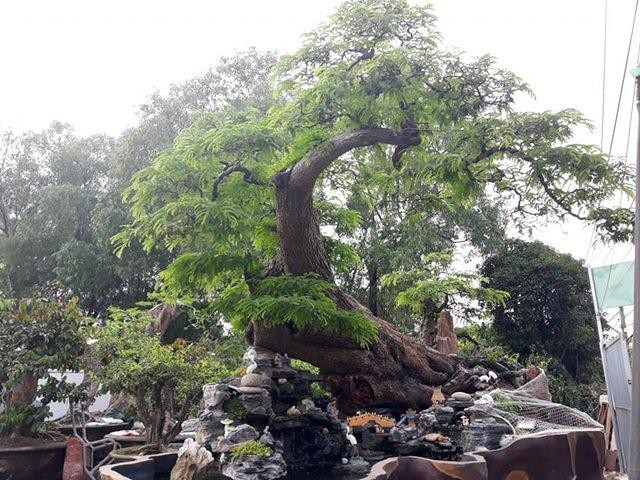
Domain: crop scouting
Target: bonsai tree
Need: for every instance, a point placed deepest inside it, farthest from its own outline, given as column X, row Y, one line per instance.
column 241, row 200
column 164, row 379
column 36, row 336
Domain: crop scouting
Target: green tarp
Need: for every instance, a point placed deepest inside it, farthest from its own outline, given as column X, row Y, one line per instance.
column 613, row 285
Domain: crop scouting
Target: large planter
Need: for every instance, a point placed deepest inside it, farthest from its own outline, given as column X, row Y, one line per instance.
column 122, row 455
column 96, row 432
column 34, row 462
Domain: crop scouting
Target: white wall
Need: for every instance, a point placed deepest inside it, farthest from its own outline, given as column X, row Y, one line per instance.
column 58, row 409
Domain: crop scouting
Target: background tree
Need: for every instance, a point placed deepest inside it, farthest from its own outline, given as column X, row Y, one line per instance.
column 60, row 194
column 428, row 291
column 399, row 226
column 549, row 310
column 236, row 192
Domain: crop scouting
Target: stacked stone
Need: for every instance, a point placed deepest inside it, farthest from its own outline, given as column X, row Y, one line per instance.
column 273, row 396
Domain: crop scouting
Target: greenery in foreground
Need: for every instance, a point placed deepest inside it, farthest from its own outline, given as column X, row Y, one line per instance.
column 164, row 379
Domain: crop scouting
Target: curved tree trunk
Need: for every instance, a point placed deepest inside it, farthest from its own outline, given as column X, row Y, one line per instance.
column 395, row 371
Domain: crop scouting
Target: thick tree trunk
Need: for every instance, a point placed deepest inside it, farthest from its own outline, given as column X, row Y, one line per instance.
column 23, row 393
column 395, row 371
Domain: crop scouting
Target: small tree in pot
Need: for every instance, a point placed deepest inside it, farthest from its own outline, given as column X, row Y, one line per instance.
column 164, row 379
column 36, row 336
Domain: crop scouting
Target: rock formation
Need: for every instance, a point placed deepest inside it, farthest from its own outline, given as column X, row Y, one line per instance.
column 446, row 339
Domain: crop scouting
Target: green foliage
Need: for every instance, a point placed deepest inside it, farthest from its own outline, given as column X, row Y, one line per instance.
column 549, row 307
column 45, row 248
column 210, row 199
column 37, row 336
column 295, row 363
column 318, row 392
column 301, row 301
column 434, row 283
column 236, row 409
column 252, row 447
column 163, row 378
column 230, row 350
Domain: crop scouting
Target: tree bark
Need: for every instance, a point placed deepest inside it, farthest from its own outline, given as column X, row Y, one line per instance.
column 23, row 393
column 394, row 372
column 429, row 325
column 373, row 289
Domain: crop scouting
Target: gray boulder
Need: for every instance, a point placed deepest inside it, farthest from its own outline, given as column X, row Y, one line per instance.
column 255, row 380
column 208, row 427
column 194, row 462
column 258, row 404
column 242, row 433
column 252, row 467
column 355, row 466
column 214, row 395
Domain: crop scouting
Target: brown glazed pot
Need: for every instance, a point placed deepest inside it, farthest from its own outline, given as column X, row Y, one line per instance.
column 34, row 462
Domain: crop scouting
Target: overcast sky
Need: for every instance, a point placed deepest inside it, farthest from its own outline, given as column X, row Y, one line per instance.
column 90, row 63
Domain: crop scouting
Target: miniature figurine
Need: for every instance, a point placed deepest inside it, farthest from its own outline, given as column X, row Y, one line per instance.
column 286, row 361
column 332, row 408
column 437, row 398
column 409, row 418
column 228, row 427
column 353, row 442
column 277, row 361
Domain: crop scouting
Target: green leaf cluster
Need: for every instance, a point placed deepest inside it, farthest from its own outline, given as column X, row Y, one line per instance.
column 301, row 301
column 432, row 282
column 252, row 447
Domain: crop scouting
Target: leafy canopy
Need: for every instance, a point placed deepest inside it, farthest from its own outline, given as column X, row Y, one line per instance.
column 433, row 283
column 377, row 64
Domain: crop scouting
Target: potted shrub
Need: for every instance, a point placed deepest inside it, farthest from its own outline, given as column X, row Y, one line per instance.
column 36, row 336
column 165, row 380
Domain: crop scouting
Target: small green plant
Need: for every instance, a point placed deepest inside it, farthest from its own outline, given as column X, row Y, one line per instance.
column 302, row 365
column 504, row 403
column 318, row 392
column 252, row 447
column 234, row 407
column 240, row 371
column 37, row 336
column 165, row 379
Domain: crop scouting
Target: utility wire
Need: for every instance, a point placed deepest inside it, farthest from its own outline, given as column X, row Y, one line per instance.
column 615, row 122
column 624, row 75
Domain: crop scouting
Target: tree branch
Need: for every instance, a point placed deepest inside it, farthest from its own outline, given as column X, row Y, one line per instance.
column 248, row 177
column 547, row 188
column 304, row 174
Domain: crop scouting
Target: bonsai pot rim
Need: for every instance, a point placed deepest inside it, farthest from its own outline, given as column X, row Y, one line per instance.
column 39, row 446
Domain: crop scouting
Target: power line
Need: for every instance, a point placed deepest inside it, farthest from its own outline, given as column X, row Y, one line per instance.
column 624, row 75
